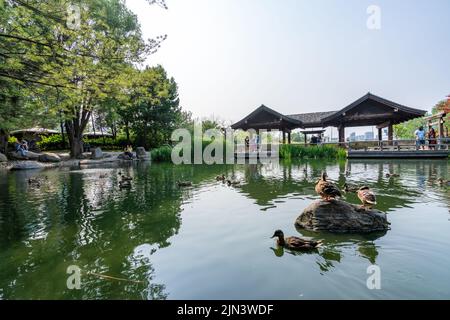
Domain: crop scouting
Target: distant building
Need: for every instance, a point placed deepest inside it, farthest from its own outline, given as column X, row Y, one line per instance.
column 352, row 136
column 369, row 135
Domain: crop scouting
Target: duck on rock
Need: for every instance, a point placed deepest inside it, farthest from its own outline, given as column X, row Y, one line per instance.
column 326, row 189
column 367, row 197
column 296, row 243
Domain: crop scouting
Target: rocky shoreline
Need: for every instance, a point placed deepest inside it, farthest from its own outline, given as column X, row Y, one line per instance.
column 60, row 160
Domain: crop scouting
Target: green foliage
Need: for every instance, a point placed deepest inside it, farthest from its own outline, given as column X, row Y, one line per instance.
column 161, row 154
column 295, row 151
column 54, row 142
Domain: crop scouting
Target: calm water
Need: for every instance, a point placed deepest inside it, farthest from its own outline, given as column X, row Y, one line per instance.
column 212, row 241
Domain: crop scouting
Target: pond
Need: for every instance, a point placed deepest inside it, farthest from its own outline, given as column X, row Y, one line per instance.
column 212, row 241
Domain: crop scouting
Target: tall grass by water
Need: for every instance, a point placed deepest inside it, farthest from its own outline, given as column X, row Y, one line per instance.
column 287, row 151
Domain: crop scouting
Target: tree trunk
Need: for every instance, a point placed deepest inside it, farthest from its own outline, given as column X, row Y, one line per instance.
column 127, row 132
column 63, row 143
column 4, row 137
column 74, row 129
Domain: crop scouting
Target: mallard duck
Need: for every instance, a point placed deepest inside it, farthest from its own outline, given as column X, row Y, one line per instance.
column 326, row 189
column 296, row 243
column 392, row 175
column 34, row 181
column 367, row 197
column 220, row 178
column 184, row 183
column 349, row 188
column 125, row 178
column 233, row 183
column 124, row 184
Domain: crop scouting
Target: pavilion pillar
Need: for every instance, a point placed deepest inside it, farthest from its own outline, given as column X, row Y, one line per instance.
column 390, row 133
column 380, row 134
column 441, row 127
column 284, row 137
column 341, row 130
column 305, row 136
column 289, row 137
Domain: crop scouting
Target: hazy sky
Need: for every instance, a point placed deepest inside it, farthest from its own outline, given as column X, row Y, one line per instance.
column 231, row 56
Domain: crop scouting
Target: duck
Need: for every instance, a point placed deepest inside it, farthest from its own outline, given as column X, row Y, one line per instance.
column 233, row 182
column 103, row 176
column 124, row 184
column 392, row 175
column 350, row 188
column 184, row 183
column 220, row 178
column 295, row 243
column 34, row 181
column 443, row 182
column 367, row 197
column 326, row 189
column 125, row 178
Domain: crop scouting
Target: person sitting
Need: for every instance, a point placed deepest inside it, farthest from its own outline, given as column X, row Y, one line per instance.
column 129, row 151
column 21, row 148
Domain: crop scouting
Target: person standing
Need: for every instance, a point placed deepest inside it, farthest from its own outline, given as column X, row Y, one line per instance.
column 432, row 139
column 420, row 138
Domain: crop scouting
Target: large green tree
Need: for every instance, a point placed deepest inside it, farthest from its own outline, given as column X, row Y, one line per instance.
column 69, row 57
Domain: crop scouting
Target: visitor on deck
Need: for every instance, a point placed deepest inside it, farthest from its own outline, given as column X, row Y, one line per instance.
column 247, row 143
column 420, row 138
column 432, row 139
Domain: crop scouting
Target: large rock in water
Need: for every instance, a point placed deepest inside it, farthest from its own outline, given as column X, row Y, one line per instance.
column 27, row 165
column 340, row 216
column 49, row 157
column 97, row 154
column 141, row 153
column 3, row 158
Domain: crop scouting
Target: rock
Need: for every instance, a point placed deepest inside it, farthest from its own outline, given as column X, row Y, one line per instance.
column 123, row 156
column 27, row 165
column 97, row 154
column 341, row 217
column 141, row 153
column 15, row 155
column 49, row 157
column 3, row 158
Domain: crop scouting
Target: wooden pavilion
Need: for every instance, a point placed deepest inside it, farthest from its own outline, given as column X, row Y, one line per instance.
column 369, row 110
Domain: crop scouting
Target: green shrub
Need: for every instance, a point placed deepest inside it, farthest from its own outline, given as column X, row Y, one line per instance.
column 161, row 154
column 293, row 151
column 53, row 142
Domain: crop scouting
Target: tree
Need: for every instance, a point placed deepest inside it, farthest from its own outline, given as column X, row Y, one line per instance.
column 154, row 110
column 73, row 55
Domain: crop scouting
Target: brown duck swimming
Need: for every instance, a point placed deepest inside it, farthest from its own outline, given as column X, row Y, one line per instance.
column 221, row 178
column 367, row 197
column 296, row 243
column 326, row 189
column 350, row 188
column 184, row 183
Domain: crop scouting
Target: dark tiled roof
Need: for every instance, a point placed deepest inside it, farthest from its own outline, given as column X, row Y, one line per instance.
column 312, row 117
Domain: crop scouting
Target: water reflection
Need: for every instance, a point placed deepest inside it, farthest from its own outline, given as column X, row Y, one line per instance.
column 80, row 216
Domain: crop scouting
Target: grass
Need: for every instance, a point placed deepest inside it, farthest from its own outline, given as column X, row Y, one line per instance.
column 295, row 151
column 287, row 152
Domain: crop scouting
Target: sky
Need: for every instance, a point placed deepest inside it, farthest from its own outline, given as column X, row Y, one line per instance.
column 230, row 56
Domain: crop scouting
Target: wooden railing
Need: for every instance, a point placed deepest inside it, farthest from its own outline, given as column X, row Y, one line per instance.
column 399, row 145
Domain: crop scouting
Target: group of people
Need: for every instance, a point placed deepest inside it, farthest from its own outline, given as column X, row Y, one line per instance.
column 252, row 144
column 421, row 137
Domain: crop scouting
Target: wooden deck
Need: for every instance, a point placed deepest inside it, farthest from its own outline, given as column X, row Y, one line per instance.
column 402, row 154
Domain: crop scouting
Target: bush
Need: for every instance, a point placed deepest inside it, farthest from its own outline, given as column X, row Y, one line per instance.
column 292, row 151
column 161, row 154
column 53, row 142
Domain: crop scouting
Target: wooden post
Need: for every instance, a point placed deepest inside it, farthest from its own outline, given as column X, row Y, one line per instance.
column 289, row 137
column 341, row 130
column 306, row 141
column 390, row 133
column 284, row 137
